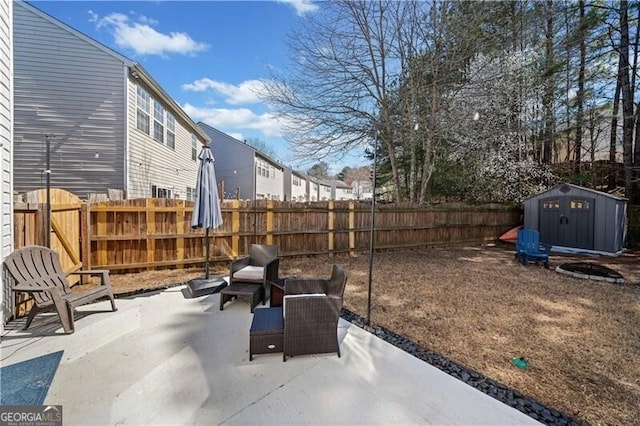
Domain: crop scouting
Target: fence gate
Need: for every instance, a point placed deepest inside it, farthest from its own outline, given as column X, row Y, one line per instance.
column 29, row 228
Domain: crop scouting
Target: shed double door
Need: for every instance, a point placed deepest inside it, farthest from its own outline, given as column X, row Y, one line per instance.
column 567, row 221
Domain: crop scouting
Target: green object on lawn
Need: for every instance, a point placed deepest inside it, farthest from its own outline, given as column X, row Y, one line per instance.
column 520, row 363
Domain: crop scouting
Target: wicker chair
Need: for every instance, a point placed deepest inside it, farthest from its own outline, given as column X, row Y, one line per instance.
column 252, row 275
column 311, row 313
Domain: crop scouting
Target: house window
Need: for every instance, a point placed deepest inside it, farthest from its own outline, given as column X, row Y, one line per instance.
column 191, row 193
column 143, row 110
column 160, row 192
column 551, row 204
column 171, row 131
column 158, row 121
column 194, row 147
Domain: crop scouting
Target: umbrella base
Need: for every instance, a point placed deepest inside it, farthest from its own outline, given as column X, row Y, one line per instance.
column 203, row 286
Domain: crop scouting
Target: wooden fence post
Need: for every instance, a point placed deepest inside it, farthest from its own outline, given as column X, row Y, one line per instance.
column 330, row 228
column 352, row 225
column 41, row 220
column 269, row 230
column 85, row 241
column 235, row 228
column 181, row 229
column 151, row 230
column 101, row 229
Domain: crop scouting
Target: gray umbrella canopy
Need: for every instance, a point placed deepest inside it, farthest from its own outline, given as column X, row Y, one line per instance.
column 206, row 209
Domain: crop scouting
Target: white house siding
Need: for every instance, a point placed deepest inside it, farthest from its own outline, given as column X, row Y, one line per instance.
column 67, row 87
column 324, row 192
column 299, row 191
column 312, row 189
column 343, row 193
column 152, row 162
column 269, row 187
column 6, row 115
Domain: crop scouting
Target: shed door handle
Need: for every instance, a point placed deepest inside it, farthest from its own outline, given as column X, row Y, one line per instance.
column 564, row 220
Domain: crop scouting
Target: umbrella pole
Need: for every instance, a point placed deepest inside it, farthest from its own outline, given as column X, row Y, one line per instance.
column 206, row 263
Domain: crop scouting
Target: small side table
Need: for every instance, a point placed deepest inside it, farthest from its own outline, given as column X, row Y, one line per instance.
column 267, row 332
column 277, row 292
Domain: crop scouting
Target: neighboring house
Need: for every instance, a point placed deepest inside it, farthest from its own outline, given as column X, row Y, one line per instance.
column 108, row 124
column 340, row 190
column 295, row 185
column 6, row 138
column 324, row 190
column 362, row 189
column 245, row 172
column 312, row 189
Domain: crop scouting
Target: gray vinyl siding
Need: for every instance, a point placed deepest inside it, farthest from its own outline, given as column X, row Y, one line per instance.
column 66, row 87
column 154, row 163
column 234, row 163
column 6, row 128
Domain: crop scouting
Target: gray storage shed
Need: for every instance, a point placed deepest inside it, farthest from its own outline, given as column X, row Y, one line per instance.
column 578, row 219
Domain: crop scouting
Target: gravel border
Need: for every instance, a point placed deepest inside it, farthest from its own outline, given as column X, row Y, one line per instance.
column 502, row 393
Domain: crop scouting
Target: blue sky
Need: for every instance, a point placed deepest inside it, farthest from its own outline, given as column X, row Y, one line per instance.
column 208, row 55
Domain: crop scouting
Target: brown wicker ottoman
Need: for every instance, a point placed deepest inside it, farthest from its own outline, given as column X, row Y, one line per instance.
column 267, row 332
column 255, row 291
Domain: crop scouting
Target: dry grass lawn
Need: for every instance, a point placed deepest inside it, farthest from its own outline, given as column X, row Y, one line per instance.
column 479, row 307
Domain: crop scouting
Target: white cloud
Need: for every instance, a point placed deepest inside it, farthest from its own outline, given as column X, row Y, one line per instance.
column 245, row 93
column 236, row 135
column 145, row 40
column 241, row 118
column 302, row 7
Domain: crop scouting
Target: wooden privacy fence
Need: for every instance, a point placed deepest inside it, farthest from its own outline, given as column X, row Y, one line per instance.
column 132, row 235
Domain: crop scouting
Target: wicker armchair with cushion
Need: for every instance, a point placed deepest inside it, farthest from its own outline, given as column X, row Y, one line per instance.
column 311, row 312
column 252, row 275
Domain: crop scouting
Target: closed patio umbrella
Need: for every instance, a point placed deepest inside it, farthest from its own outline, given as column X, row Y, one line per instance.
column 206, row 214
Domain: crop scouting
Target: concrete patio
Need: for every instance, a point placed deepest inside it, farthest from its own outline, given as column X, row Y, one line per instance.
column 165, row 358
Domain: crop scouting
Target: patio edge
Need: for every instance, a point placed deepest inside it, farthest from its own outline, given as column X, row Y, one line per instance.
column 492, row 388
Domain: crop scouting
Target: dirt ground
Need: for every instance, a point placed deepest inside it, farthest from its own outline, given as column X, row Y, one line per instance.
column 479, row 307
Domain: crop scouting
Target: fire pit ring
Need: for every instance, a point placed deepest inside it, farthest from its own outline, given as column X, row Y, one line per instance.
column 591, row 271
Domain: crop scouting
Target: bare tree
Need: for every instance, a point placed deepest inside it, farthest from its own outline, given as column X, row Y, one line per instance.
column 336, row 95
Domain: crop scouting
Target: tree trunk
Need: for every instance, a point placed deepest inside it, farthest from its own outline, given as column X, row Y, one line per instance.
column 548, row 87
column 627, row 103
column 580, row 95
column 613, row 140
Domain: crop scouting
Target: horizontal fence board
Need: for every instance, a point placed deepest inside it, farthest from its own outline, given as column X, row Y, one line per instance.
column 139, row 234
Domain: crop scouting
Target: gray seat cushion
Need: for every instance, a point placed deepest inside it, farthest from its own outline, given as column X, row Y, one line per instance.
column 252, row 273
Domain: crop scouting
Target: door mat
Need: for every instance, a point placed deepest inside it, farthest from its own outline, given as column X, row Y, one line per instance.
column 27, row 382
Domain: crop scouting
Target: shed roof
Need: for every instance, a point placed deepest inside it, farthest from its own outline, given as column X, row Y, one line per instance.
column 581, row 188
